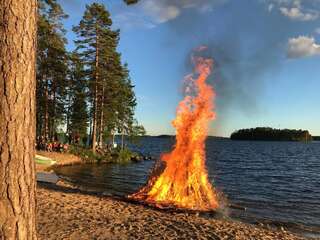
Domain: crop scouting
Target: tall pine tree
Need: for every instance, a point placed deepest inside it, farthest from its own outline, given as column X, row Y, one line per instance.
column 51, row 68
column 96, row 41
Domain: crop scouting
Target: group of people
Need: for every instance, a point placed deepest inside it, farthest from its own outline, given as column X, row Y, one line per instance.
column 51, row 146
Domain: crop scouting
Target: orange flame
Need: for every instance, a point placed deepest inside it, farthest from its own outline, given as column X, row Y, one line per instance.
column 184, row 181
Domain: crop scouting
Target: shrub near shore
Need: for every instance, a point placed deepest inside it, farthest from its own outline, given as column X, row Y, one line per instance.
column 114, row 155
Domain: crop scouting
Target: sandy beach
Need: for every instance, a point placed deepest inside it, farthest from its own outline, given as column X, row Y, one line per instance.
column 68, row 213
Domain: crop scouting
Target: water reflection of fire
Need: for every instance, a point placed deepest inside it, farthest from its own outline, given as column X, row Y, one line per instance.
column 184, row 182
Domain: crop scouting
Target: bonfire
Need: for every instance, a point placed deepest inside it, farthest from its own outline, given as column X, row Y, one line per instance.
column 181, row 180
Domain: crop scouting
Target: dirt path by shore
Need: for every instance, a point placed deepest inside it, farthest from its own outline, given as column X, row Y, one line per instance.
column 67, row 213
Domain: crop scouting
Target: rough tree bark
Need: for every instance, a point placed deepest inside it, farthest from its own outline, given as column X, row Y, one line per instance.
column 17, row 119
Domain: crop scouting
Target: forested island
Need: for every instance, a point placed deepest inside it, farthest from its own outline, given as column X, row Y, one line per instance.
column 316, row 138
column 271, row 134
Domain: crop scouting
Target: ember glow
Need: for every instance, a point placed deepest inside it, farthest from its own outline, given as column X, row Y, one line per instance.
column 184, row 183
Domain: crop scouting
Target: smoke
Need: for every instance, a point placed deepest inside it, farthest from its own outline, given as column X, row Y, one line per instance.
column 246, row 45
column 248, row 40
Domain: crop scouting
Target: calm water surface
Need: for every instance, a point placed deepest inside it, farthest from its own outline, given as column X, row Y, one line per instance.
column 278, row 182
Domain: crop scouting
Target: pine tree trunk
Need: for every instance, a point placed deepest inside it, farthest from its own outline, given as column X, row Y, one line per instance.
column 17, row 119
column 90, row 132
column 68, row 117
column 122, row 139
column 46, row 114
column 113, row 142
column 94, row 124
column 101, row 119
column 94, row 128
column 38, row 126
column 53, row 126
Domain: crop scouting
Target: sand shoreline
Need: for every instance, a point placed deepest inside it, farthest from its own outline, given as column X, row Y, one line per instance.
column 65, row 212
column 68, row 212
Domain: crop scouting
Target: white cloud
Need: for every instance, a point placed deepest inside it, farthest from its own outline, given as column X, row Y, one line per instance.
column 129, row 20
column 160, row 12
column 165, row 10
column 270, row 7
column 302, row 46
column 297, row 10
column 150, row 13
column 295, row 13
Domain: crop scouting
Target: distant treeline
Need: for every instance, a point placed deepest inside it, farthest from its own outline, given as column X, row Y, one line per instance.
column 316, row 138
column 209, row 137
column 165, row 136
column 271, row 134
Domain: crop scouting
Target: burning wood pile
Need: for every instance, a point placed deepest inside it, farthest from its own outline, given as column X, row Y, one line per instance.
column 181, row 181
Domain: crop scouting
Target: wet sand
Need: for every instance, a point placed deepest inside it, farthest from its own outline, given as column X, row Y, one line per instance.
column 65, row 212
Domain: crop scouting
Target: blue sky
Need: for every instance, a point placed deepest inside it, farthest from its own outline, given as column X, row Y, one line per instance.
column 266, row 52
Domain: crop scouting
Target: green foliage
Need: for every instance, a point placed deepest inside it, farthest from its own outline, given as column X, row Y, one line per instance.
column 51, row 67
column 85, row 154
column 89, row 85
column 114, row 156
column 96, row 46
column 111, row 94
column 79, row 116
column 270, row 134
column 135, row 132
column 124, row 156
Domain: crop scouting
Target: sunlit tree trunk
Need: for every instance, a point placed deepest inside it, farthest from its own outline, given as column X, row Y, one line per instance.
column 53, row 126
column 68, row 118
column 95, row 101
column 101, row 119
column 94, row 122
column 17, row 119
column 46, row 115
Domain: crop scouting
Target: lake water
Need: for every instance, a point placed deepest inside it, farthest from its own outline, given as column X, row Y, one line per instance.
column 278, row 182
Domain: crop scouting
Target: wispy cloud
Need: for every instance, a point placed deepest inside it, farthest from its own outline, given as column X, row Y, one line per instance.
column 302, row 46
column 160, row 12
column 296, row 10
column 296, row 13
column 270, row 7
column 166, row 10
column 132, row 20
column 149, row 13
